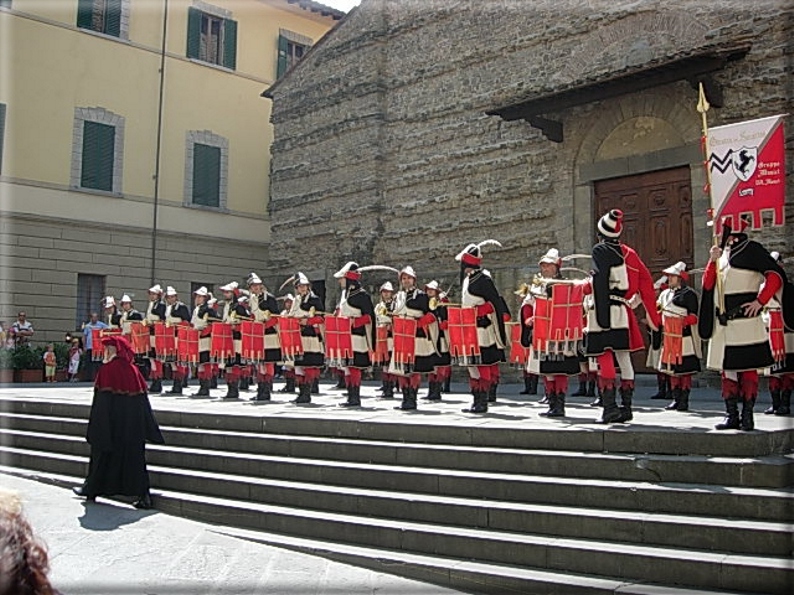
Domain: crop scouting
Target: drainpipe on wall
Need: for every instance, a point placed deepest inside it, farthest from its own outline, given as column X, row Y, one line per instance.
column 158, row 146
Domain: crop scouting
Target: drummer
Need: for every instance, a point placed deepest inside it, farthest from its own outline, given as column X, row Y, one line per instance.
column 200, row 320
column 263, row 306
column 561, row 360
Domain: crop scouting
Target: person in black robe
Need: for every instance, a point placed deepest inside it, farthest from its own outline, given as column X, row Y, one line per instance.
column 120, row 424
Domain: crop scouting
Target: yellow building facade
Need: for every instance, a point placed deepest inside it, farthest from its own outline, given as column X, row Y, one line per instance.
column 135, row 146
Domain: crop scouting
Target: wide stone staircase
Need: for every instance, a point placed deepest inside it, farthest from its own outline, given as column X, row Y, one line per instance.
column 637, row 510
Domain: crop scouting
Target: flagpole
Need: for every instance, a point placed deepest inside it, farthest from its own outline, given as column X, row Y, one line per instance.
column 703, row 107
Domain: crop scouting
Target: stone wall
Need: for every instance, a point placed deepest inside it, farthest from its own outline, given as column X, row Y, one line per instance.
column 384, row 153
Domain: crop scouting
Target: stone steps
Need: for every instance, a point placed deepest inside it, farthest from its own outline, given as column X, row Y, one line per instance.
column 676, row 530
column 491, row 510
column 479, row 561
column 763, row 471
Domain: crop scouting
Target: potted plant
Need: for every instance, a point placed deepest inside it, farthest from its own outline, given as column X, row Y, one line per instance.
column 6, row 366
column 28, row 364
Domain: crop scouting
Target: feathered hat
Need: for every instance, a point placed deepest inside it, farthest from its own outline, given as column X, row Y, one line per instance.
column 678, row 269
column 253, row 279
column 551, row 257
column 387, row 286
column 471, row 255
column 611, row 224
column 349, row 271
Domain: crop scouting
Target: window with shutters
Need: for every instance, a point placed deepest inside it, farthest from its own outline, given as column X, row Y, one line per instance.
column 206, row 167
column 110, row 17
column 90, row 291
column 291, row 48
column 212, row 36
column 2, row 133
column 97, row 150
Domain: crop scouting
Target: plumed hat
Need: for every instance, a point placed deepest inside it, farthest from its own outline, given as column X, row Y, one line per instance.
column 349, row 271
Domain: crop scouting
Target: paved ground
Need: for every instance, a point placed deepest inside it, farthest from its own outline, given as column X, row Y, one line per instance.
column 511, row 410
column 108, row 548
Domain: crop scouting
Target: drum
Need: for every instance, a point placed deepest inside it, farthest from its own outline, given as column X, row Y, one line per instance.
column 380, row 354
column 97, row 352
column 289, row 335
column 221, row 342
column 558, row 326
column 519, row 355
column 139, row 337
column 164, row 341
column 404, row 336
column 672, row 353
column 187, row 345
column 253, row 341
column 338, row 340
column 464, row 346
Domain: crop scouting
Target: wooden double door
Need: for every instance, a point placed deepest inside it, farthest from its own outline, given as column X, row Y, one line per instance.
column 657, row 208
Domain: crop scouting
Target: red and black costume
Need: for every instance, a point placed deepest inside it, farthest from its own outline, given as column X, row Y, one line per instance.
column 155, row 312
column 308, row 307
column 264, row 305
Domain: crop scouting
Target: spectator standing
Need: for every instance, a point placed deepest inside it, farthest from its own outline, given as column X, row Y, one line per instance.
column 22, row 329
column 50, row 363
column 92, row 366
column 75, row 353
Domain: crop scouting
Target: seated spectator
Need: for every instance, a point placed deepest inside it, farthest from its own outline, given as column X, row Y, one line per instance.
column 23, row 559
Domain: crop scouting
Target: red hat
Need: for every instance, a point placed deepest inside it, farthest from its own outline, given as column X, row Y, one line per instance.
column 122, row 345
column 611, row 224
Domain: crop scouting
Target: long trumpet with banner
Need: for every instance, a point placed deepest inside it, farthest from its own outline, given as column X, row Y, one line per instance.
column 221, row 342
column 97, row 353
column 404, row 336
column 672, row 353
column 338, row 340
column 164, row 341
column 253, row 341
column 464, row 346
column 518, row 353
column 559, row 323
column 380, row 354
column 289, row 335
column 139, row 337
column 187, row 345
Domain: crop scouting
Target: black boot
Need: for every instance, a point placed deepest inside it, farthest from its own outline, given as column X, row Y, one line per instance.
column 785, row 403
column 144, row 502
column 340, row 383
column 409, row 399
column 185, row 382
column 245, row 383
column 582, row 390
column 204, row 388
column 775, row 402
column 545, row 399
column 176, row 389
column 480, row 403
column 527, row 386
column 289, row 385
column 492, row 392
column 591, row 388
column 597, row 402
column 626, row 396
column 157, row 387
column 747, row 422
column 214, row 382
column 731, row 421
column 434, row 391
column 353, row 397
column 533, row 384
column 556, row 407
column 661, row 383
column 676, row 402
column 315, row 387
column 232, row 389
column 612, row 412
column 262, row 391
column 388, row 389
column 684, row 404
column 304, row 394
column 446, row 385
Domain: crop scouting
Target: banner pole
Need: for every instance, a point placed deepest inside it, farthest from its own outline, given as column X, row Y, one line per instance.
column 703, row 107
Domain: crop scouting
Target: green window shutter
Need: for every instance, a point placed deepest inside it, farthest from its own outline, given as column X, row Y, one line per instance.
column 85, row 11
column 113, row 18
column 193, row 32
column 98, row 153
column 2, row 132
column 206, row 175
column 282, row 56
column 230, row 43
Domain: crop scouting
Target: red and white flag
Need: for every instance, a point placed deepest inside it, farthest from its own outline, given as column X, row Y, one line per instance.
column 748, row 172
